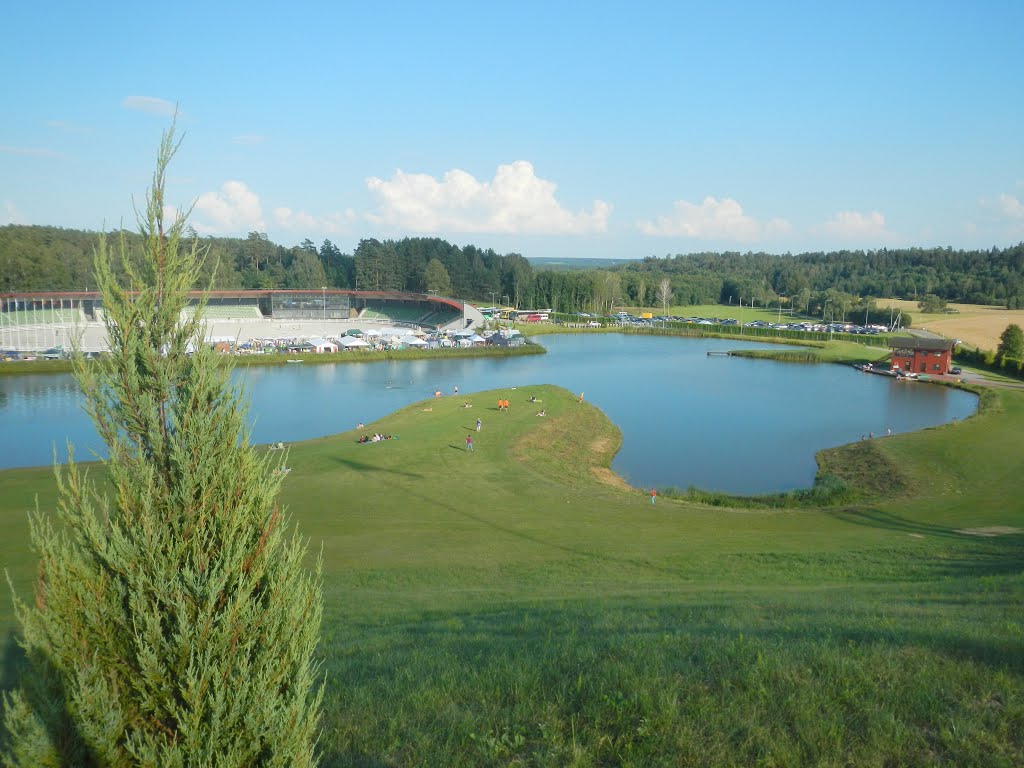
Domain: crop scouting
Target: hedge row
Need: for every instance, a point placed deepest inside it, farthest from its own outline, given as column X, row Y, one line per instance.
column 990, row 361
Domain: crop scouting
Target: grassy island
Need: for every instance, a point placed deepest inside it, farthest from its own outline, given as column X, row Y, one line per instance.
column 521, row 605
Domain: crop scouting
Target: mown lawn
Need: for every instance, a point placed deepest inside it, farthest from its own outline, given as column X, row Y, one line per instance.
column 519, row 605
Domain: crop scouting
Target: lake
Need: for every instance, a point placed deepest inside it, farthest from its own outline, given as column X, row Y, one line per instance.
column 719, row 423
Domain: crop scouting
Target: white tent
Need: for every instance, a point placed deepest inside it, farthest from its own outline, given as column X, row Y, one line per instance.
column 353, row 342
column 372, row 332
column 413, row 341
column 322, row 345
column 477, row 338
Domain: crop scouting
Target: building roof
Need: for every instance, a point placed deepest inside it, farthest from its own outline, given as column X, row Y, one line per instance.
column 915, row 342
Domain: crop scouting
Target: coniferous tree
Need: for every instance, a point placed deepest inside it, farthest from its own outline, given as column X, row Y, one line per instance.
column 174, row 620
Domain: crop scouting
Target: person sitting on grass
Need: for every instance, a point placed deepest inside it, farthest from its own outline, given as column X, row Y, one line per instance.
column 542, row 413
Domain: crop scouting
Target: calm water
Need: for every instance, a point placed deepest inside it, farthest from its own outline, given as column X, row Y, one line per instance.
column 719, row 423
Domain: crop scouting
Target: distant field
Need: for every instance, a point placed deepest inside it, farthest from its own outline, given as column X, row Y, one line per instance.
column 979, row 326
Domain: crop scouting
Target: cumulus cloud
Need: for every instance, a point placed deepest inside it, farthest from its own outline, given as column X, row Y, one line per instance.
column 150, row 105
column 515, row 201
column 1011, row 206
column 853, row 224
column 713, row 219
column 300, row 221
column 234, row 209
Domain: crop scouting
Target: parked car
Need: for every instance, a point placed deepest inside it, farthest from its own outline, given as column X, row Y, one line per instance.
column 955, row 369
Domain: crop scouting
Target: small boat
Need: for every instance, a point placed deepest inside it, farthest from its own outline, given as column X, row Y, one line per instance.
column 294, row 361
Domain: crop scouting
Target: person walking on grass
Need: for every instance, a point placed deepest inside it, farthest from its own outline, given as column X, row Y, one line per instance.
column 469, row 443
column 479, row 425
column 654, row 494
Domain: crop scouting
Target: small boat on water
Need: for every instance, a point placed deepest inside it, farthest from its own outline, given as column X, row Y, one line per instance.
column 293, row 361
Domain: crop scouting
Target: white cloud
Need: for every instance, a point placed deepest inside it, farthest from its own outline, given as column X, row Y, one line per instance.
column 713, row 219
column 853, row 224
column 1011, row 207
column 63, row 125
column 30, row 151
column 514, row 201
column 335, row 223
column 234, row 209
column 150, row 105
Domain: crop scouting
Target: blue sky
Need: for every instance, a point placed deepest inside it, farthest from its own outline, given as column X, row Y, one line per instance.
column 614, row 130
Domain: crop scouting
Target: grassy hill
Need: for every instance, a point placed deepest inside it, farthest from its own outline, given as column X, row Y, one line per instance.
column 520, row 605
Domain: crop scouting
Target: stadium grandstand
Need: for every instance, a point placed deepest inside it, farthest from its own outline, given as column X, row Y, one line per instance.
column 37, row 321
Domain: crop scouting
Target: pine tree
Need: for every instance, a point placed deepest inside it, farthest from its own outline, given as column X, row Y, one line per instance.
column 174, row 621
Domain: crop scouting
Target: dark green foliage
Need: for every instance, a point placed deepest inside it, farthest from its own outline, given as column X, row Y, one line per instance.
column 932, row 304
column 1011, row 343
column 174, row 622
column 989, row 360
column 834, row 286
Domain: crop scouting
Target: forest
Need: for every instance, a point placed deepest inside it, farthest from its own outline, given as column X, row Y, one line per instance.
column 51, row 258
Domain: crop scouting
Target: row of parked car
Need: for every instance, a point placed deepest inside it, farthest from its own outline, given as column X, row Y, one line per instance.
column 625, row 318
column 56, row 353
column 822, row 327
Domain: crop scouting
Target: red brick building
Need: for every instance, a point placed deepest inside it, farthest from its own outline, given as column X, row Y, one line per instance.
column 914, row 355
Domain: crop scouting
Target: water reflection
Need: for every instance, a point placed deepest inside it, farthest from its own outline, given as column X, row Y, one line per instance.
column 723, row 423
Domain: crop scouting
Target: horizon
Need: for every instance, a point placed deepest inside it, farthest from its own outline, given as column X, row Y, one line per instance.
column 619, row 133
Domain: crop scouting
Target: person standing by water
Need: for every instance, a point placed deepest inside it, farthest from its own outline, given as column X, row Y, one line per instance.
column 469, row 443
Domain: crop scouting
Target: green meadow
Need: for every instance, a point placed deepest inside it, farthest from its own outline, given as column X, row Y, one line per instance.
column 521, row 606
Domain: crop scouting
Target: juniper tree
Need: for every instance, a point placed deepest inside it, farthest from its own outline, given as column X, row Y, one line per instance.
column 174, row 620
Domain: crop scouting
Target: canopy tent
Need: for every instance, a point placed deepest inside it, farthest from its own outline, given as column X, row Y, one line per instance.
column 352, row 342
column 477, row 338
column 373, row 332
column 322, row 345
column 413, row 341
column 353, row 332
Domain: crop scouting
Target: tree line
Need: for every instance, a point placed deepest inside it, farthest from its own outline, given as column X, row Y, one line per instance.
column 51, row 258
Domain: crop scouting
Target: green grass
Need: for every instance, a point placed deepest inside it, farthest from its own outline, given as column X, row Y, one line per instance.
column 519, row 607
